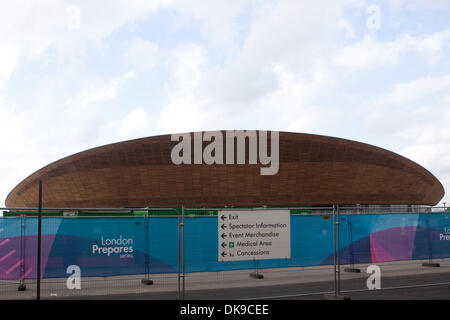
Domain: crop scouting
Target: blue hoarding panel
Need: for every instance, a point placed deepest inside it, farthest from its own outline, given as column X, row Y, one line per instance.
column 123, row 246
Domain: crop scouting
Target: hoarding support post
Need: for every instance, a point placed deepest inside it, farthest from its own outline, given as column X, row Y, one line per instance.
column 334, row 250
column 256, row 274
column 147, row 280
column 350, row 246
column 338, row 251
column 337, row 258
column 179, row 258
column 181, row 271
column 38, row 273
column 184, row 273
column 430, row 247
column 22, row 286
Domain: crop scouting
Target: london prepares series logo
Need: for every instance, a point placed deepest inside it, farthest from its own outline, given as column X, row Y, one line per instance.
column 219, row 145
column 445, row 236
column 121, row 246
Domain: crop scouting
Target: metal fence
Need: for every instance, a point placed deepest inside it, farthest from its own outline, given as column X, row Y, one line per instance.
column 175, row 256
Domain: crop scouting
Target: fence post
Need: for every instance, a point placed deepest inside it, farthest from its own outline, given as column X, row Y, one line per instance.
column 334, row 250
column 338, row 251
column 255, row 274
column 147, row 279
column 337, row 258
column 181, row 271
column 430, row 247
column 183, row 226
column 22, row 286
column 38, row 273
column 351, row 251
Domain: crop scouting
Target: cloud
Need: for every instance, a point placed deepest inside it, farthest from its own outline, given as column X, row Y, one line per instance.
column 280, row 35
column 413, row 90
column 370, row 53
column 417, row 4
column 28, row 29
column 142, row 55
column 20, row 152
column 8, row 62
column 103, row 91
column 424, row 129
column 293, row 105
column 435, row 4
column 134, row 125
column 429, row 124
column 409, row 110
column 436, row 158
column 188, row 106
column 218, row 18
column 347, row 27
column 276, row 72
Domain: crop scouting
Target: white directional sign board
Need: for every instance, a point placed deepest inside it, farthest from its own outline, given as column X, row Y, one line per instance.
column 254, row 235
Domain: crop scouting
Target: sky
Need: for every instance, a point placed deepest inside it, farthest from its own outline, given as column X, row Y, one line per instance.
column 80, row 74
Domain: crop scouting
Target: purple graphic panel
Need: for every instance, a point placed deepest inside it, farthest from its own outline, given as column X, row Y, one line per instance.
column 393, row 244
column 15, row 265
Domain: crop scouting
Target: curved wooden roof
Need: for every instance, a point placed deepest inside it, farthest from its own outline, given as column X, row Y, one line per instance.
column 313, row 170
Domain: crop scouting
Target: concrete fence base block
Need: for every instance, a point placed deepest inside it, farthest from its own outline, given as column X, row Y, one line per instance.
column 147, row 281
column 22, row 287
column 354, row 270
column 434, row 265
column 336, row 297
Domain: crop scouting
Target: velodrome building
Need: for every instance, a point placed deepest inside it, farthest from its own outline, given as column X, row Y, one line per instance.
column 313, row 170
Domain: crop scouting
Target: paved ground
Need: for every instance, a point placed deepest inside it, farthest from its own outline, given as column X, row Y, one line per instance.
column 399, row 280
column 431, row 286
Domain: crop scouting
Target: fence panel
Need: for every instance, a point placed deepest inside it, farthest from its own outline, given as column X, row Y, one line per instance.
column 114, row 254
column 11, row 253
column 396, row 243
column 311, row 246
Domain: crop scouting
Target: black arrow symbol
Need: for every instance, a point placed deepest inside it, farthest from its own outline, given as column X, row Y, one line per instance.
column 223, row 226
column 223, row 254
column 223, row 217
column 224, row 244
column 223, row 235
